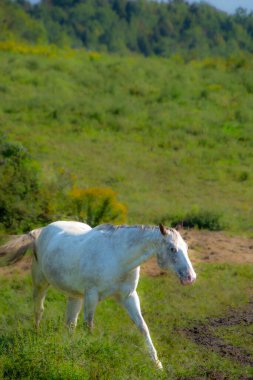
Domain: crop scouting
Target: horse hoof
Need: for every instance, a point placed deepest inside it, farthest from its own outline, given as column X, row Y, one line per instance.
column 159, row 365
column 71, row 328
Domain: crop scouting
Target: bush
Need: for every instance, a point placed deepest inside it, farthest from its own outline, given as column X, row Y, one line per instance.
column 202, row 219
column 20, row 199
column 25, row 202
column 97, row 205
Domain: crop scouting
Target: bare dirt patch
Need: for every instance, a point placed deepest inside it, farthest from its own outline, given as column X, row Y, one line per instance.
column 218, row 247
column 20, row 268
column 213, row 247
column 204, row 334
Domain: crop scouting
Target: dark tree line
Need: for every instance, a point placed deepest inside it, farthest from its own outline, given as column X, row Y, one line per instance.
column 142, row 26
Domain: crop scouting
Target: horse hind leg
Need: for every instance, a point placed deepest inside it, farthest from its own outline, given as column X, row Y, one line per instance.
column 39, row 295
column 40, row 286
column 73, row 309
column 90, row 302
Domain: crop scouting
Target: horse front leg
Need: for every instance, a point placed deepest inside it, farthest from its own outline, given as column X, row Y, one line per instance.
column 90, row 303
column 73, row 309
column 132, row 305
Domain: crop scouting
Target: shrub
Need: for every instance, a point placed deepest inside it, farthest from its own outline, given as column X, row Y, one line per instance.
column 202, row 219
column 19, row 192
column 97, row 205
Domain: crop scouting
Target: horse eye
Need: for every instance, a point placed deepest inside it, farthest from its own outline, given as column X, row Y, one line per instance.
column 173, row 249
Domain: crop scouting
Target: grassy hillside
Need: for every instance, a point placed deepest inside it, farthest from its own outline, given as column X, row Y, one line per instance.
column 169, row 137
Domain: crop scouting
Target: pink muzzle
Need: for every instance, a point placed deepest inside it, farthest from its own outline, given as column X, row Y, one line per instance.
column 189, row 279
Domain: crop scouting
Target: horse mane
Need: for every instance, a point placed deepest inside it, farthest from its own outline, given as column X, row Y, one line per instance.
column 114, row 227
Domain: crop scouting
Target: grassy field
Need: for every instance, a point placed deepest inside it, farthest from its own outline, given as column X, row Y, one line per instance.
column 169, row 137
column 116, row 350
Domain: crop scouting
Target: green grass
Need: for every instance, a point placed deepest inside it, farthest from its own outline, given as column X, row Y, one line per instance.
column 116, row 349
column 168, row 136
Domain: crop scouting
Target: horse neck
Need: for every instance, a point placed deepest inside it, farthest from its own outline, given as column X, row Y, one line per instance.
column 140, row 244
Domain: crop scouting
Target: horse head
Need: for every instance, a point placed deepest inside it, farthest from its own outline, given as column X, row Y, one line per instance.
column 173, row 255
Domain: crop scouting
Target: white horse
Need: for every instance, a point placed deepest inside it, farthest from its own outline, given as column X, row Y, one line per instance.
column 91, row 264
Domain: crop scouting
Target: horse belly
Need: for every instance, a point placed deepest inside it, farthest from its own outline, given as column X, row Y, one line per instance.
column 72, row 279
column 64, row 278
column 59, row 254
column 61, row 270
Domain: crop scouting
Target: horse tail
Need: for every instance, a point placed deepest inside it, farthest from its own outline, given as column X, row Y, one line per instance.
column 15, row 249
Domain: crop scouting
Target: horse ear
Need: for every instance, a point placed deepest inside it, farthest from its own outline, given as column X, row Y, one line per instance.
column 179, row 227
column 163, row 229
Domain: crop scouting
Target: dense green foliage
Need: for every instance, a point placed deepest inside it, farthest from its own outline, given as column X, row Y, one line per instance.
column 116, row 350
column 20, row 196
column 201, row 219
column 141, row 26
column 169, row 137
column 16, row 24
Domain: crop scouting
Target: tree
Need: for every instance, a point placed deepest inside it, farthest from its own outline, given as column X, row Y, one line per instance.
column 142, row 26
column 17, row 24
